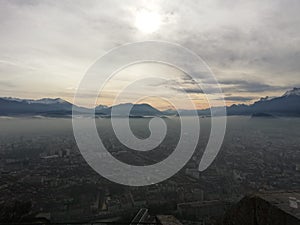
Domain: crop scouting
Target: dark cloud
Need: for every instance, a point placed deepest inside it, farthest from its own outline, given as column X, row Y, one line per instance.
column 190, row 90
column 235, row 85
column 238, row 39
column 238, row 98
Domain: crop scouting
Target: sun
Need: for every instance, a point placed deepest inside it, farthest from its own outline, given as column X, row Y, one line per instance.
column 147, row 21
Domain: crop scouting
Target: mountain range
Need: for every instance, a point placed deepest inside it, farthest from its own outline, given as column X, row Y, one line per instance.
column 285, row 105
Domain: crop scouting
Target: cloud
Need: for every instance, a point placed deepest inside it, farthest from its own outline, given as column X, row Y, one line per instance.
column 251, row 46
column 7, row 84
column 256, row 37
column 238, row 98
column 190, row 90
column 235, row 85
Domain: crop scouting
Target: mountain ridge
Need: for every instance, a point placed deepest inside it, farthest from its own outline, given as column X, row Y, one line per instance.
column 287, row 104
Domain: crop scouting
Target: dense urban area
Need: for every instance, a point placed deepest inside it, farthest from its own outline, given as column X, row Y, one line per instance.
column 45, row 170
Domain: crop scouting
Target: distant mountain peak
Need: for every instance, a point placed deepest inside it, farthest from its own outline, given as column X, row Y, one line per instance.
column 264, row 98
column 142, row 109
column 13, row 99
column 48, row 101
column 287, row 104
column 293, row 92
column 101, row 107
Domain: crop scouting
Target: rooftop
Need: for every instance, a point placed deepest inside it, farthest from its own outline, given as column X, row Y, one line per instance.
column 289, row 202
column 167, row 220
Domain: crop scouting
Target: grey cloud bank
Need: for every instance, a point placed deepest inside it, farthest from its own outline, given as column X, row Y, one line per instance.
column 46, row 46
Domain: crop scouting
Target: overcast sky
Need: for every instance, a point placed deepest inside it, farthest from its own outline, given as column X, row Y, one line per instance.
column 253, row 47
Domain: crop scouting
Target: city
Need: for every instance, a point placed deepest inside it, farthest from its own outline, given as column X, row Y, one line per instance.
column 49, row 172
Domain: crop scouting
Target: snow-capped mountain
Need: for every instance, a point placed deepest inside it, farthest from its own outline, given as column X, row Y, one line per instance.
column 267, row 98
column 293, row 92
column 59, row 107
column 287, row 104
column 45, row 106
column 46, row 101
column 12, row 99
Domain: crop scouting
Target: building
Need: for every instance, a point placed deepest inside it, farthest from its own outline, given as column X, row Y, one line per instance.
column 167, row 220
column 270, row 208
column 202, row 209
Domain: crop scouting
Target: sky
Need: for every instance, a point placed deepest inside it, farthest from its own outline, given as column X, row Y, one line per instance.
column 252, row 47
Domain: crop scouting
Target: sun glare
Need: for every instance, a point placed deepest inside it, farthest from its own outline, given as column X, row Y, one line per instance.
column 147, row 21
